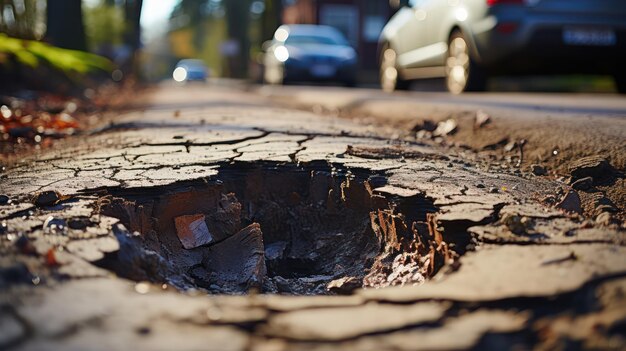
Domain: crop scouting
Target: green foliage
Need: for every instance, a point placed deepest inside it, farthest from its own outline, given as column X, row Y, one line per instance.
column 104, row 24
column 33, row 53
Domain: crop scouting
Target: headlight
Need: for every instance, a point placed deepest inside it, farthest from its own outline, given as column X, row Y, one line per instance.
column 180, row 74
column 281, row 53
column 349, row 56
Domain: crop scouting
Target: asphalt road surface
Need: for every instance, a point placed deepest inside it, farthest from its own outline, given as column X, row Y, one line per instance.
column 144, row 234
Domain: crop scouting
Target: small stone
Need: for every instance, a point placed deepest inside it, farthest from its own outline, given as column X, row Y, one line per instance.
column 275, row 250
column 51, row 258
column 447, row 127
column 592, row 166
column 46, row 198
column 605, row 219
column 583, row 183
column 603, row 200
column 571, row 202
column 606, row 208
column 192, row 231
column 25, row 245
column 344, row 286
column 482, row 119
column 549, row 200
column 4, row 199
column 54, row 225
column 480, row 186
column 510, row 146
column 427, row 126
column 514, row 223
column 493, row 190
column 17, row 273
column 538, row 170
column 79, row 223
column 423, row 134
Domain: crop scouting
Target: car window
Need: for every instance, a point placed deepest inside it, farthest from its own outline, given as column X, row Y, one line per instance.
column 313, row 39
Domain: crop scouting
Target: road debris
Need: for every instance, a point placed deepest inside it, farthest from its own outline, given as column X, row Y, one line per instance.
column 538, row 170
column 193, row 231
column 481, row 119
column 571, row 257
column 583, row 183
column 447, row 127
column 47, row 198
column 592, row 166
column 570, row 202
column 344, row 286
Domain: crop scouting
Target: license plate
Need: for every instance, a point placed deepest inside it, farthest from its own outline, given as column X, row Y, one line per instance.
column 322, row 71
column 589, row 36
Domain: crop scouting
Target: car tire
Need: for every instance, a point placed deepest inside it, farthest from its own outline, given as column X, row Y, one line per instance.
column 350, row 83
column 620, row 82
column 462, row 72
column 389, row 74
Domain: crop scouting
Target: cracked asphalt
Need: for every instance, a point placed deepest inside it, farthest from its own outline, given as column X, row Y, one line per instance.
column 530, row 276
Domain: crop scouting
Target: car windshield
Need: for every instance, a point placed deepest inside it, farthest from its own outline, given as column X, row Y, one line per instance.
column 296, row 39
column 195, row 64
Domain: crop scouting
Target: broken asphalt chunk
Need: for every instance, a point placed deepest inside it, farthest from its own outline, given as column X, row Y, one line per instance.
column 46, row 198
column 240, row 259
column 192, row 231
column 482, row 119
column 447, row 127
column 571, row 202
column 583, row 183
column 538, row 170
column 592, row 166
column 344, row 286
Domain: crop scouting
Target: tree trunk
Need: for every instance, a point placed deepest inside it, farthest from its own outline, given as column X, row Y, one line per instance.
column 272, row 18
column 65, row 24
column 238, row 24
column 132, row 14
column 132, row 38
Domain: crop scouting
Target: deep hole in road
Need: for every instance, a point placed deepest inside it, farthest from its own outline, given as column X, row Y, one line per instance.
column 277, row 228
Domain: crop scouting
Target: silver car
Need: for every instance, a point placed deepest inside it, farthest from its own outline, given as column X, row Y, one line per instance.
column 466, row 41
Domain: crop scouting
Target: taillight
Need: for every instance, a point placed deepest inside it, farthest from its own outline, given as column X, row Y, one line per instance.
column 499, row 2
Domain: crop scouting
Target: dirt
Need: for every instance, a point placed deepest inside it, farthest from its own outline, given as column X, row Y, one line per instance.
column 34, row 121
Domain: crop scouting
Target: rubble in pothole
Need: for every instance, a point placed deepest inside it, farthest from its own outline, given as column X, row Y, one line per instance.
column 277, row 229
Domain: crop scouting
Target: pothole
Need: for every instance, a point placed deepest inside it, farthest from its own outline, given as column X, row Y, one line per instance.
column 277, row 229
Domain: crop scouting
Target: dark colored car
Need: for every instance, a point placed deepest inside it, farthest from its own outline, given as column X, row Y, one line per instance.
column 466, row 41
column 309, row 53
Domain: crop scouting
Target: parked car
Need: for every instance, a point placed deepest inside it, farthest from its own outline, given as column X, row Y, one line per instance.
column 189, row 70
column 306, row 52
column 466, row 41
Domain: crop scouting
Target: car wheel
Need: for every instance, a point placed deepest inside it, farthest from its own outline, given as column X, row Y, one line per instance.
column 350, row 83
column 390, row 79
column 620, row 82
column 462, row 72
